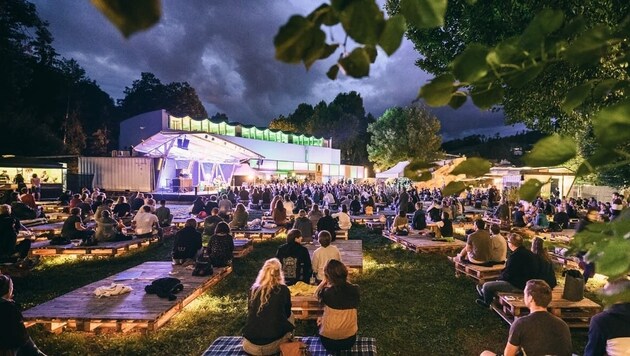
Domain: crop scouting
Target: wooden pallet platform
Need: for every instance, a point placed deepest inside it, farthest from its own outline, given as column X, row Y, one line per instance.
column 242, row 247
column 480, row 274
column 375, row 225
column 80, row 310
column 342, row 234
column 180, row 221
column 420, row 241
column 511, row 306
column 262, row 234
column 45, row 249
column 351, row 252
column 306, row 307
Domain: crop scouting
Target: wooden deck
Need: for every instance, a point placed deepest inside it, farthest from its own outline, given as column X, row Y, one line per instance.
column 351, row 252
column 480, row 274
column 44, row 248
column 375, row 225
column 420, row 241
column 576, row 314
column 242, row 247
column 80, row 310
column 262, row 234
column 180, row 221
column 342, row 234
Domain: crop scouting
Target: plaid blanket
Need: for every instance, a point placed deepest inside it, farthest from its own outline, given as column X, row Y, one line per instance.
column 232, row 345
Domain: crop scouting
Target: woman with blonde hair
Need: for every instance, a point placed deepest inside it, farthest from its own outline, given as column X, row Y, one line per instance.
column 269, row 319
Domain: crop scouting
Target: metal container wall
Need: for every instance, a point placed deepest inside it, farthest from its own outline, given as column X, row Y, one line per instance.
column 119, row 173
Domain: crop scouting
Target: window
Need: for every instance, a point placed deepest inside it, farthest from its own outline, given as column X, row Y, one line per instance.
column 285, row 166
column 175, row 123
column 195, row 125
column 245, row 132
column 284, row 138
column 298, row 166
column 334, row 170
column 230, row 130
column 186, row 124
column 312, row 167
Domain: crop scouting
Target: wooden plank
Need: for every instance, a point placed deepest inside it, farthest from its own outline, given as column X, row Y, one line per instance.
column 306, row 307
column 421, row 242
column 81, row 310
column 341, row 234
column 242, row 247
column 43, row 248
column 481, row 274
column 351, row 252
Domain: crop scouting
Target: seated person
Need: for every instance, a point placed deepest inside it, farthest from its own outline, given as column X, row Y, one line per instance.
column 338, row 325
column 545, row 266
column 108, row 229
column 27, row 198
column 73, row 228
column 14, row 339
column 279, row 214
column 210, row 223
column 296, row 262
column 561, row 217
column 137, row 202
column 64, row 198
column 323, row 254
column 211, row 204
column 478, row 245
column 519, row 217
column 239, row 219
column 221, row 246
column 314, row 215
column 419, row 220
column 435, row 211
column 198, row 206
column 305, row 226
column 345, row 223
column 539, row 332
column 401, row 223
column 269, row 318
column 144, row 222
column 446, row 226
column 122, row 208
column 106, row 206
column 186, row 244
column 355, row 206
column 609, row 331
column 327, row 223
column 521, row 266
column 540, row 221
column 20, row 210
column 10, row 250
column 165, row 218
column 498, row 245
column 225, row 206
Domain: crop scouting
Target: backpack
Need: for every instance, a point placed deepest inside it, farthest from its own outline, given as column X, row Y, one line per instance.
column 203, row 266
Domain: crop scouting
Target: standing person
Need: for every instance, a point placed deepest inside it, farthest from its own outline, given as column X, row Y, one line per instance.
column 609, row 331
column 539, row 332
column 36, row 186
column 338, row 325
column 19, row 180
column 403, row 201
column 269, row 319
column 187, row 243
column 221, row 246
column 327, row 223
column 14, row 339
column 323, row 254
column 296, row 262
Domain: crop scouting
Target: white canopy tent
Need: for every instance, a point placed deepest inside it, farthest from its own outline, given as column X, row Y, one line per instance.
column 208, row 159
column 396, row 171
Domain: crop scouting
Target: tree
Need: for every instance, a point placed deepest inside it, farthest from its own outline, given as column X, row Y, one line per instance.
column 402, row 134
column 219, row 116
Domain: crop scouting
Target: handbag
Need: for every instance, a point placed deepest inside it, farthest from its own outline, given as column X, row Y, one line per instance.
column 294, row 348
column 203, row 266
column 573, row 285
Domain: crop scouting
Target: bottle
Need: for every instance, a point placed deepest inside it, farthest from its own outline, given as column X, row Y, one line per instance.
column 312, row 281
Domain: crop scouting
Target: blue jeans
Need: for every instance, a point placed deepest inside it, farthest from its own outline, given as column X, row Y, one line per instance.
column 490, row 289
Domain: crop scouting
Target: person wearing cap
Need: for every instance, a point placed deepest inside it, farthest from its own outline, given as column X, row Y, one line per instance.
column 14, row 339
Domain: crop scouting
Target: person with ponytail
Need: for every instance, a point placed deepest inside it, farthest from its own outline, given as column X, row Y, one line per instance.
column 269, row 319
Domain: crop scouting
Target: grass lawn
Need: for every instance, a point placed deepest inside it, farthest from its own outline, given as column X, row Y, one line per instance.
column 411, row 303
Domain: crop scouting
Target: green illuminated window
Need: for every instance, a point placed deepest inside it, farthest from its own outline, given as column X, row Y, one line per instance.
column 284, row 138
column 245, row 132
column 195, row 125
column 175, row 123
column 230, row 130
column 186, row 124
column 285, row 166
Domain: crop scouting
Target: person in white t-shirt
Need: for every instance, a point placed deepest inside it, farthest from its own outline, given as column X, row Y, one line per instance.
column 323, row 254
column 144, row 222
column 345, row 223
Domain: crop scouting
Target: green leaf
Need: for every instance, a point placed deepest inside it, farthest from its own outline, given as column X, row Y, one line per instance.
column 506, row 52
column 612, row 124
column 457, row 100
column 575, row 97
column 453, row 188
column 471, row 2
column 530, row 189
column 471, row 64
column 523, row 76
column 299, row 39
column 424, row 13
column 438, row 92
column 416, row 165
column 357, row 63
column 332, row 72
column 416, row 176
column 324, row 14
column 544, row 23
column 371, row 51
column 130, row 16
column 551, row 151
column 317, row 49
column 486, row 98
column 363, row 21
column 328, row 50
column 614, row 262
column 590, row 46
column 473, row 167
column 392, row 34
column 603, row 88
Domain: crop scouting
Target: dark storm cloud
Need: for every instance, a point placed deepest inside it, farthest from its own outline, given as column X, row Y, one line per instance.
column 224, row 49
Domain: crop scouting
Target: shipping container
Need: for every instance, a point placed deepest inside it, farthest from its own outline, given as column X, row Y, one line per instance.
column 120, row 173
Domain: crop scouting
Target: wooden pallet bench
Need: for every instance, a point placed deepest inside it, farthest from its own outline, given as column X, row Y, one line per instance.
column 375, row 224
column 81, row 310
column 233, row 345
column 351, row 253
column 421, row 242
column 480, row 274
column 180, row 221
column 44, row 248
column 242, row 247
column 306, row 307
column 342, row 234
column 262, row 234
column 510, row 306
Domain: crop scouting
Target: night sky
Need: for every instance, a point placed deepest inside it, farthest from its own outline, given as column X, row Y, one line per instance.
column 224, row 49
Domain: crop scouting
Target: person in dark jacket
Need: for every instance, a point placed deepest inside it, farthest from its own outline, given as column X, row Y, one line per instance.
column 296, row 262
column 211, row 204
column 545, row 272
column 561, row 218
column 269, row 319
column 305, row 226
column 419, row 220
column 609, row 331
column 327, row 223
column 210, row 223
column 14, row 339
column 187, row 243
column 10, row 249
column 221, row 246
column 521, row 266
column 355, row 206
column 198, row 206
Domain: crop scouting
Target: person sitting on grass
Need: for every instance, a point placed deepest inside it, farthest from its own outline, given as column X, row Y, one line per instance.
column 269, row 318
column 73, row 229
column 14, row 339
column 478, row 245
column 545, row 266
column 338, row 325
column 305, row 226
column 521, row 266
column 498, row 245
column 239, row 220
column 323, row 254
column 10, row 250
column 221, row 246
column 296, row 262
column 165, row 218
column 540, row 221
column 187, row 244
column 539, row 332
